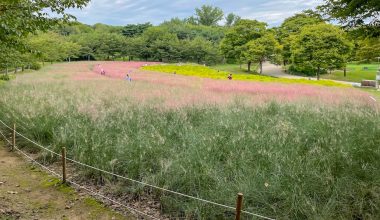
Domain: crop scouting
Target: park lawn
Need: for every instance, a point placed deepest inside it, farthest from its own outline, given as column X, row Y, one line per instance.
column 235, row 68
column 355, row 73
column 213, row 73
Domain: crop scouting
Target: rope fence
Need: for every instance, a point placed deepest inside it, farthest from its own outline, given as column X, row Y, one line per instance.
column 76, row 184
column 238, row 211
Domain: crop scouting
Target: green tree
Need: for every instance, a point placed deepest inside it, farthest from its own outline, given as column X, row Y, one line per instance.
column 208, row 15
column 232, row 19
column 110, row 46
column 70, row 50
column 185, row 30
column 260, row 49
column 134, row 30
column 362, row 14
column 52, row 47
column 103, row 28
column 320, row 47
column 291, row 27
column 139, row 47
column 166, row 47
column 191, row 20
column 368, row 49
column 201, row 50
column 239, row 35
column 19, row 18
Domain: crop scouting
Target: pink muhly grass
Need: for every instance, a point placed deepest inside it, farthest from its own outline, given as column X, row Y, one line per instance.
column 176, row 90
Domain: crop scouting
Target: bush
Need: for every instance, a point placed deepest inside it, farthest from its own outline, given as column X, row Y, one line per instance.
column 35, row 66
column 304, row 70
column 4, row 77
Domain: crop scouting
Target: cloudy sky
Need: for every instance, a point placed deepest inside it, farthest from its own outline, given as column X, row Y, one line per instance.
column 122, row 12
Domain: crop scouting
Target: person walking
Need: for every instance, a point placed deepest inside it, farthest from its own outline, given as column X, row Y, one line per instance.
column 128, row 78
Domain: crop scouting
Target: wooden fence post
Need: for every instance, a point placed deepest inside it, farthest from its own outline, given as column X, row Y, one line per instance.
column 13, row 137
column 239, row 204
column 64, row 165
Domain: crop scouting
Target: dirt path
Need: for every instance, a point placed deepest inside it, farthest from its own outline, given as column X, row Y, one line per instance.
column 28, row 193
column 276, row 71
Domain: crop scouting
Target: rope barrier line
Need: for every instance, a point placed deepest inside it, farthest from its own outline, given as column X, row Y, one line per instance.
column 80, row 186
column 113, row 201
column 33, row 142
column 140, row 182
column 47, row 149
column 6, row 125
column 5, row 138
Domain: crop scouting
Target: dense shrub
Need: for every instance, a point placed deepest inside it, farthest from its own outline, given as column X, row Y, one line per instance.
column 304, row 70
column 4, row 77
column 35, row 66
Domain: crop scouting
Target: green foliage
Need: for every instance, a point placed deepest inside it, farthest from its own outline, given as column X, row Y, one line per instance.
column 4, row 77
column 291, row 28
column 200, row 50
column 72, row 28
column 103, row 28
column 362, row 14
column 249, row 41
column 243, row 32
column 320, row 46
column 257, row 50
column 19, row 18
column 185, row 31
column 35, row 66
column 52, row 47
column 232, row 19
column 294, row 24
column 368, row 50
column 208, row 15
column 134, row 30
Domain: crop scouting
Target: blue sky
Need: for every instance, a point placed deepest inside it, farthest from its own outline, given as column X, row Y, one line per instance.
column 122, row 12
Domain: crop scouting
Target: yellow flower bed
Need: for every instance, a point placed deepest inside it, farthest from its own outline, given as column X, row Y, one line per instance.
column 206, row 72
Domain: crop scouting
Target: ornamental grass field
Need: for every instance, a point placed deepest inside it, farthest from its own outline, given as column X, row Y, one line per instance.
column 295, row 151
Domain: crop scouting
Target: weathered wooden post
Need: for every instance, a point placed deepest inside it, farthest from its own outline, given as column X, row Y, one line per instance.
column 64, row 165
column 13, row 137
column 239, row 204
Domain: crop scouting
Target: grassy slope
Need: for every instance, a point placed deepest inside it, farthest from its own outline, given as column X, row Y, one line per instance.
column 355, row 73
column 290, row 161
column 206, row 72
column 234, row 68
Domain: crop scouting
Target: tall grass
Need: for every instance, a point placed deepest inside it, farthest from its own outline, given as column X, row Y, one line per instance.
column 291, row 161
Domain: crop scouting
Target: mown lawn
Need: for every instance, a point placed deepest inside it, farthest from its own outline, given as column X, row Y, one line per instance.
column 355, row 73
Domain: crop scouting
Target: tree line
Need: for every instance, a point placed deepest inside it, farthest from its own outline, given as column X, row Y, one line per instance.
column 305, row 43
